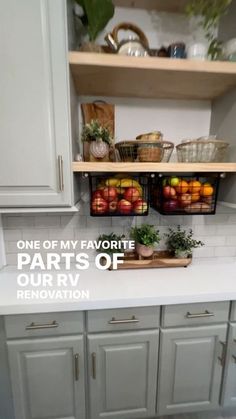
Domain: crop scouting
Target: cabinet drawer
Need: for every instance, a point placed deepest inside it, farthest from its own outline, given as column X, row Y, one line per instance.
column 123, row 319
column 45, row 324
column 233, row 312
column 197, row 313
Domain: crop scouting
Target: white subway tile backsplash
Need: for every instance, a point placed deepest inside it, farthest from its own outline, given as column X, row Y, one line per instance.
column 12, row 235
column 18, row 222
column 232, row 219
column 218, row 232
column 231, row 240
column 225, row 251
column 227, row 229
column 35, row 234
column 204, row 252
column 45, row 221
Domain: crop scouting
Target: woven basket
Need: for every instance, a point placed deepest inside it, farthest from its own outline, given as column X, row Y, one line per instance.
column 144, row 151
column 202, row 151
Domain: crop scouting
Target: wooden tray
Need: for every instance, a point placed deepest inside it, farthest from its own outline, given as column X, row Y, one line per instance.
column 160, row 259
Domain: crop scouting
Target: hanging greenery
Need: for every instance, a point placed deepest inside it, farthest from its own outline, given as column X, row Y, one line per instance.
column 211, row 12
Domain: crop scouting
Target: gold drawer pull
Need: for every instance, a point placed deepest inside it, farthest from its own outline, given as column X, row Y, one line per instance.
column 199, row 315
column 123, row 321
column 76, row 358
column 35, row 326
column 94, row 366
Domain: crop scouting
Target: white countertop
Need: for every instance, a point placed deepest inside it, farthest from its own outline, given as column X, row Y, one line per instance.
column 211, row 281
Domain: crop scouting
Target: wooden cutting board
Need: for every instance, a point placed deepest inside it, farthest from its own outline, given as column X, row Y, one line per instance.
column 105, row 114
column 160, row 259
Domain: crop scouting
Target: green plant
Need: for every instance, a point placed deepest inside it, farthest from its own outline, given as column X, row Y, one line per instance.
column 182, row 241
column 96, row 14
column 94, row 130
column 211, row 11
column 110, row 243
column 145, row 234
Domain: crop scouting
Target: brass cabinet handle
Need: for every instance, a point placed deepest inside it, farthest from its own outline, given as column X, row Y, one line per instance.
column 61, row 174
column 35, row 326
column 223, row 355
column 94, row 366
column 123, row 321
column 199, row 315
column 76, row 360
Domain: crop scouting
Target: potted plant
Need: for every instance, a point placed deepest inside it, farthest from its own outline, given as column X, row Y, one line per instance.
column 181, row 242
column 93, row 16
column 145, row 238
column 99, row 138
column 210, row 12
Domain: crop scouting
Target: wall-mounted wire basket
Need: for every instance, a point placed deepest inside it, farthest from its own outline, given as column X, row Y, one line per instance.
column 119, row 195
column 185, row 195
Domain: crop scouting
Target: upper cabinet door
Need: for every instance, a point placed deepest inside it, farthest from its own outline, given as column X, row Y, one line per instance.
column 35, row 152
column 190, row 373
column 123, row 374
column 229, row 384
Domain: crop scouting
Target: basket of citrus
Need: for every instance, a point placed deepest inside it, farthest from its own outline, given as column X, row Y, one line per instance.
column 185, row 194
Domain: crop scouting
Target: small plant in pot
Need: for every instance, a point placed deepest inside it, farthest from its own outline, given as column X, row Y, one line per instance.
column 145, row 237
column 99, row 138
column 92, row 17
column 181, row 242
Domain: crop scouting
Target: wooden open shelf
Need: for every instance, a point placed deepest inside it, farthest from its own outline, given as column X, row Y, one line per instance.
column 150, row 77
column 170, row 6
column 155, row 167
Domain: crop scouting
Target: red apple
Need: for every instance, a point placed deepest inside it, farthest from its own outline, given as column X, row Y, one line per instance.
column 96, row 194
column 170, row 205
column 124, row 206
column 99, row 206
column 185, row 199
column 109, row 193
column 169, row 192
column 112, row 206
column 132, row 194
column 140, row 206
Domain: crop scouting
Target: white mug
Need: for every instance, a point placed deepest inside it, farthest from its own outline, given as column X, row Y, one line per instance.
column 197, row 51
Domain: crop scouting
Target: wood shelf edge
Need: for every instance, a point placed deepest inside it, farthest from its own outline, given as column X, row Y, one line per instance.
column 77, row 58
column 154, row 167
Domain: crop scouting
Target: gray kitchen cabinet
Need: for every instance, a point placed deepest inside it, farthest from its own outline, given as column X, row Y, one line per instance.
column 190, row 372
column 229, row 383
column 123, row 374
column 47, row 376
column 35, row 150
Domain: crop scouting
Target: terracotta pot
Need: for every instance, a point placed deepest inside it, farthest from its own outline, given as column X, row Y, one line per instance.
column 144, row 251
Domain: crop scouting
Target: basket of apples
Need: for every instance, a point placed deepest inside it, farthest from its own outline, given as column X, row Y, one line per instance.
column 118, row 195
column 185, row 194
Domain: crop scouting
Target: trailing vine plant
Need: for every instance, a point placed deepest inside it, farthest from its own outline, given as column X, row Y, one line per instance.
column 211, row 12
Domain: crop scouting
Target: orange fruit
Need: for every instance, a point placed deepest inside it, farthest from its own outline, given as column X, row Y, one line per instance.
column 206, row 190
column 182, row 187
column 195, row 197
column 194, row 186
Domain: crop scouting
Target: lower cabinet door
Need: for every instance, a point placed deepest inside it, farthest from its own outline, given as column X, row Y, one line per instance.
column 229, row 383
column 47, row 377
column 190, row 372
column 123, row 374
